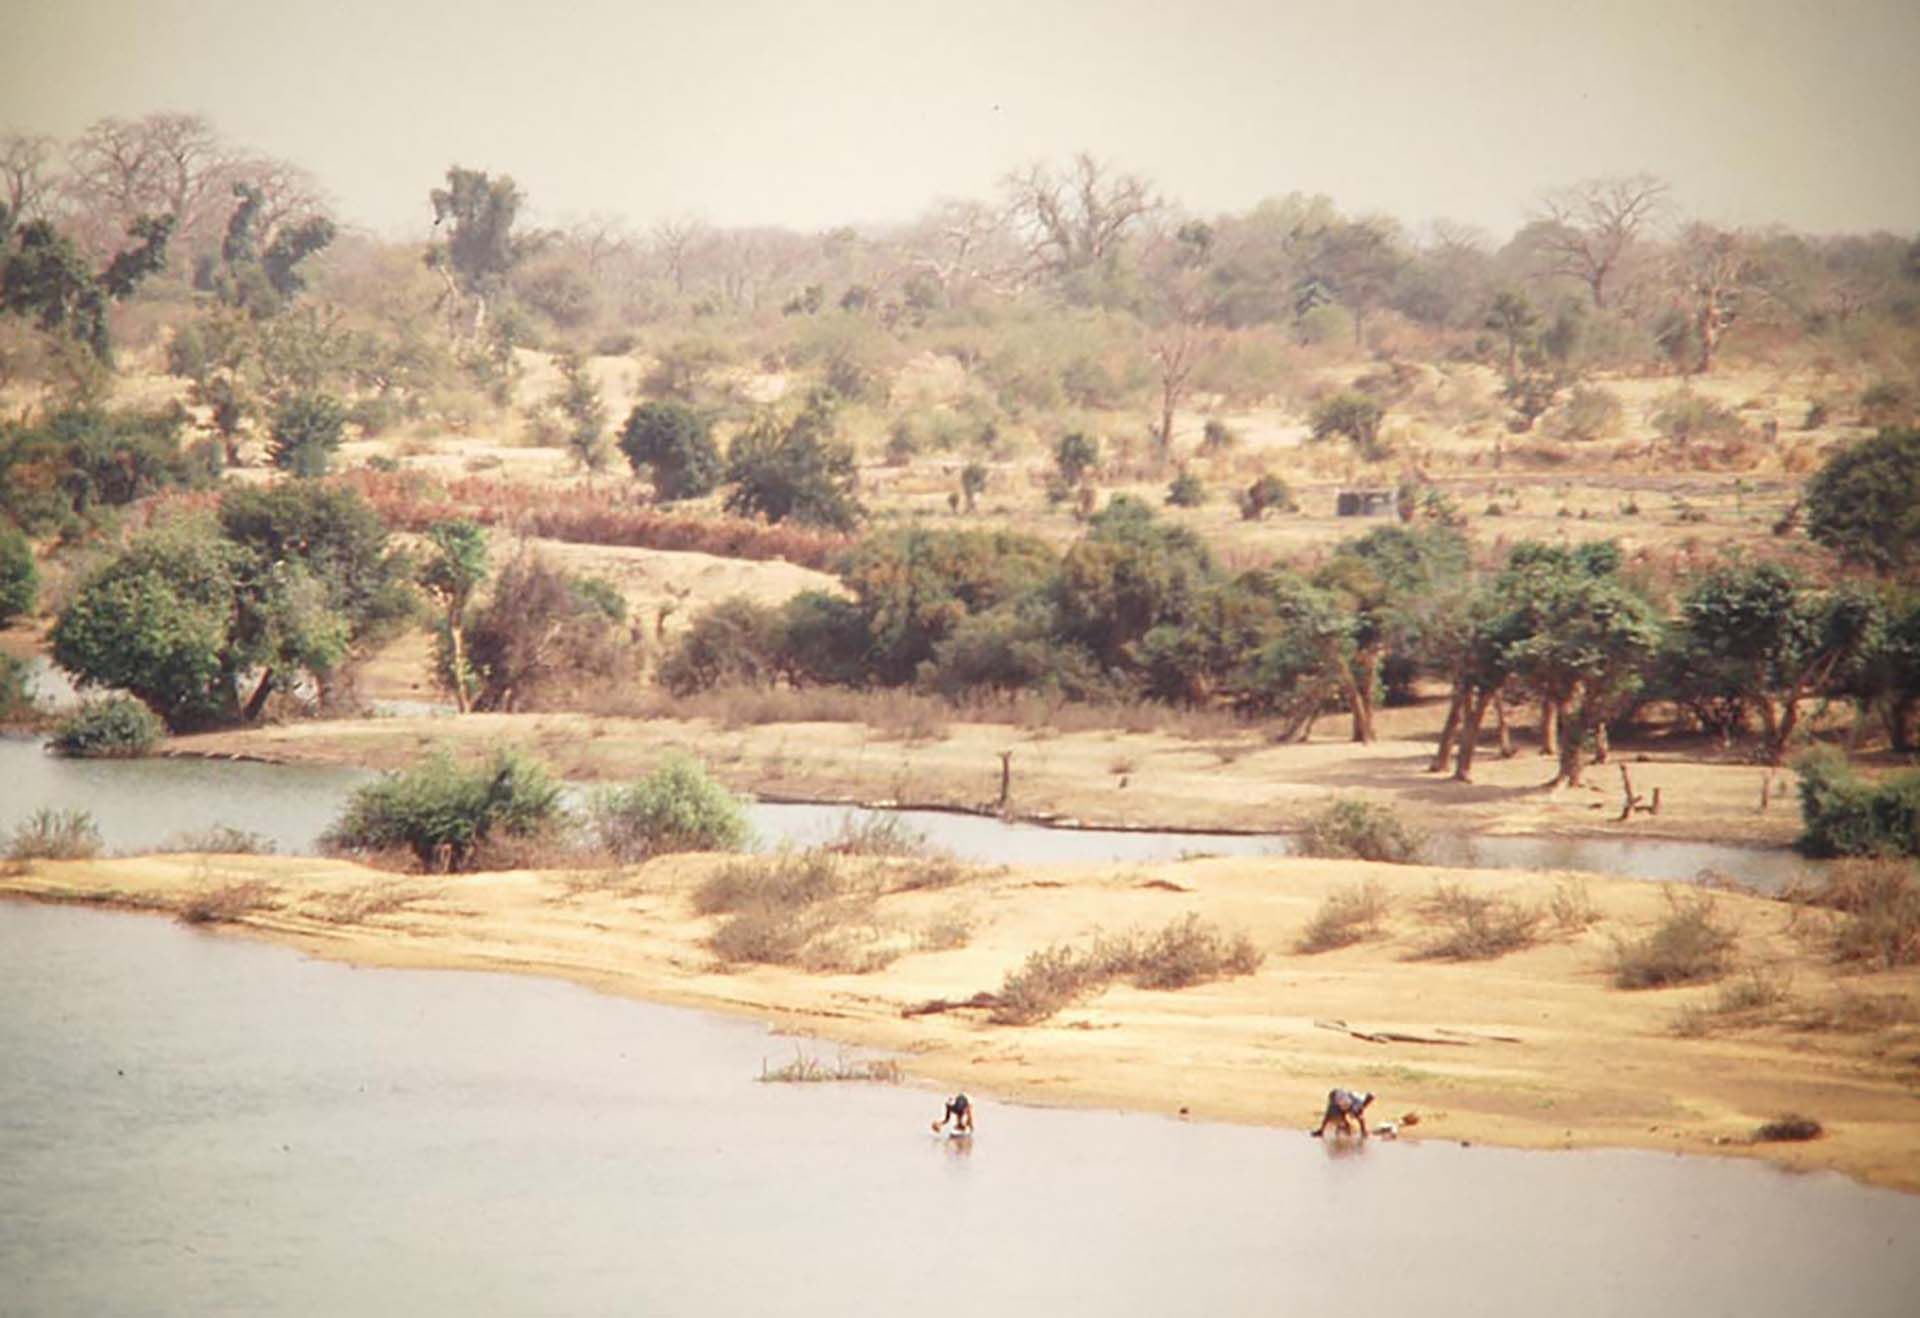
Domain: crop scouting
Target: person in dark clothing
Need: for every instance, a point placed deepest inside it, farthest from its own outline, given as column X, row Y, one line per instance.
column 960, row 1113
column 1343, row 1106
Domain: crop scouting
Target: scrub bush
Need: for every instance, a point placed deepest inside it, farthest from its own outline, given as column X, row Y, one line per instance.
column 442, row 812
column 1689, row 946
column 116, row 726
column 55, row 835
column 1352, row 829
column 678, row 807
column 1348, row 915
column 1478, row 926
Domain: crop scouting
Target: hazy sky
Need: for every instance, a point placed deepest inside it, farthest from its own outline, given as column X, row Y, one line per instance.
column 815, row 112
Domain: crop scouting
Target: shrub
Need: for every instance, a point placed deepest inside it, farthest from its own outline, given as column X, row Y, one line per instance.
column 19, row 578
column 1842, row 814
column 16, row 697
column 306, row 429
column 1479, row 926
column 1354, row 415
column 1187, row 491
column 228, row 903
column 678, row 807
column 1572, row 905
column 1185, row 953
column 1689, row 946
column 876, row 834
column 115, row 726
column 1267, row 494
column 442, row 812
column 1877, row 911
column 789, row 882
column 1352, row 829
column 1684, row 416
column 55, row 835
column 1217, row 437
column 676, row 444
column 1589, row 413
column 1347, row 916
column 220, row 839
column 1790, row 1127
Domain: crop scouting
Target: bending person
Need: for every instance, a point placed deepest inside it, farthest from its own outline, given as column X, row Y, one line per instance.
column 960, row 1113
column 1344, row 1105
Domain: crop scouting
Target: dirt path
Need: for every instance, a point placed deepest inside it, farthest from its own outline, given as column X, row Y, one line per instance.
column 1532, row 1050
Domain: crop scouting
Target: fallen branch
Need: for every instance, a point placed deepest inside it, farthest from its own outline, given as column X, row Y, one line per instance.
column 1391, row 1036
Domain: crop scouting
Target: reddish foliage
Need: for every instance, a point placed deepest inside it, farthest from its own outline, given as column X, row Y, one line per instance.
column 410, row 502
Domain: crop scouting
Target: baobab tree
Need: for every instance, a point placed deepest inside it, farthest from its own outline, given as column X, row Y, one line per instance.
column 1591, row 225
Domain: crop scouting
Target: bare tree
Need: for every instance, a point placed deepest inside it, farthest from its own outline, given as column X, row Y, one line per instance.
column 1076, row 218
column 1716, row 276
column 24, row 184
column 1591, row 225
column 166, row 163
column 675, row 240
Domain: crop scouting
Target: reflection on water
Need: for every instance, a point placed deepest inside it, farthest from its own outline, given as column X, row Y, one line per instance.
column 191, row 1123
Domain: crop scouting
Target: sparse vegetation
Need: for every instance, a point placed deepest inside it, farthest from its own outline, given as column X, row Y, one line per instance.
column 1690, row 945
column 49, row 834
column 1476, row 926
column 1348, row 915
column 811, row 1070
column 1353, row 829
column 1873, row 908
column 228, row 903
column 1186, row 952
column 219, row 839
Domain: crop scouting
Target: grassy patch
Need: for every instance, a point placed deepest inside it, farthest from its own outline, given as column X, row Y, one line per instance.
column 220, row 840
column 1347, row 916
column 1476, row 926
column 49, row 834
column 1750, row 994
column 813, row 910
column 1689, row 946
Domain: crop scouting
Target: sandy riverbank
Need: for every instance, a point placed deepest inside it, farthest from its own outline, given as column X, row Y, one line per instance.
column 1532, row 1050
column 1238, row 781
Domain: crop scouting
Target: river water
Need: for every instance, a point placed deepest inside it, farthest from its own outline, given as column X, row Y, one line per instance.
column 199, row 1123
column 145, row 804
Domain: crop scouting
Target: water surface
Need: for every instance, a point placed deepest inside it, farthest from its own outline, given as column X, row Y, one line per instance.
column 198, row 1123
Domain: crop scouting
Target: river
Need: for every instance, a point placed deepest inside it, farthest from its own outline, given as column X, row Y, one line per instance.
column 145, row 804
column 194, row 1122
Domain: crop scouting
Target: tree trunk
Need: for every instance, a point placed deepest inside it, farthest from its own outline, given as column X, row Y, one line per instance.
column 1359, row 693
column 1549, row 726
column 258, row 700
column 1449, row 731
column 1470, row 735
column 1600, row 743
column 1501, row 725
column 456, row 640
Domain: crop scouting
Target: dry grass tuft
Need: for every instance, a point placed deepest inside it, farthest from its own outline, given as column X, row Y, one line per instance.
column 228, row 903
column 1348, row 916
column 1689, row 946
column 1477, row 926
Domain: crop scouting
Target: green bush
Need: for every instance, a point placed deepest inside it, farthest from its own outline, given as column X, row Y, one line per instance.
column 443, row 812
column 678, row 807
column 55, row 835
column 19, row 578
column 305, row 431
column 1352, row 829
column 115, row 726
column 16, row 699
column 1187, row 491
column 1842, row 814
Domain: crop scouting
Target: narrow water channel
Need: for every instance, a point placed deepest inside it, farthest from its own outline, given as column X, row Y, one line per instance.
column 193, row 1122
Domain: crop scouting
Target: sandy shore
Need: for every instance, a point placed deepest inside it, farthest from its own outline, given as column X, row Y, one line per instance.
column 1237, row 781
column 1532, row 1050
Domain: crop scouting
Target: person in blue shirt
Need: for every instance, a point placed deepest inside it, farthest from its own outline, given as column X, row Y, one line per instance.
column 1343, row 1107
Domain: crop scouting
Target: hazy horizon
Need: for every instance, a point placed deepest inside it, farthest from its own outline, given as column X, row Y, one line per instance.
column 749, row 112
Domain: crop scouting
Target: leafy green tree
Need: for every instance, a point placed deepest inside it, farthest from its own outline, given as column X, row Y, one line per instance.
column 1074, row 456
column 1355, row 415
column 1129, row 574
column 1578, row 634
column 478, row 250
column 261, row 279
column 455, row 568
column 19, row 578
column 306, row 429
column 57, row 474
column 1864, row 503
column 1513, row 318
column 46, row 278
column 796, row 469
column 1761, row 636
column 157, row 621
column 913, row 587
column 675, row 444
